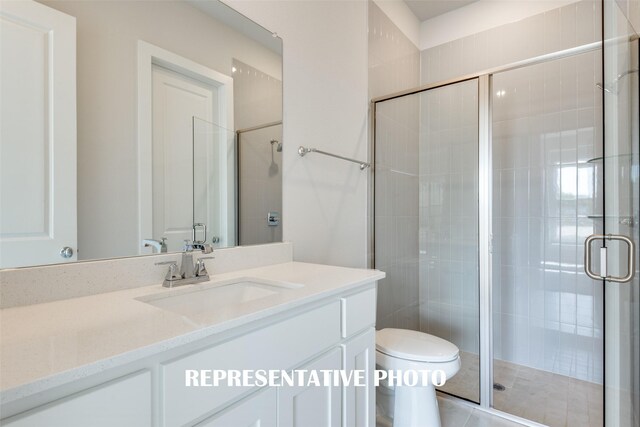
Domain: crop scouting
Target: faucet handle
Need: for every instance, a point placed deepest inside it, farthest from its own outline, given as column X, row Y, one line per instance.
column 172, row 274
column 190, row 246
column 201, row 268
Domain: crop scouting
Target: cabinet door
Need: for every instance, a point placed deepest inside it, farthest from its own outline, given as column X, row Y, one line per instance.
column 257, row 410
column 123, row 402
column 312, row 406
column 359, row 402
column 182, row 404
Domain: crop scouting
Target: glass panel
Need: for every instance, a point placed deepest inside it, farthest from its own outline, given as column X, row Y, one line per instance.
column 260, row 180
column 426, row 220
column 547, row 198
column 622, row 321
column 214, row 183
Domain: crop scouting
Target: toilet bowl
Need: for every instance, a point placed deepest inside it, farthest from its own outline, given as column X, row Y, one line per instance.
column 403, row 350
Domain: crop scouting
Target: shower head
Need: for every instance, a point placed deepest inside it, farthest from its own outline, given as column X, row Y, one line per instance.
column 278, row 147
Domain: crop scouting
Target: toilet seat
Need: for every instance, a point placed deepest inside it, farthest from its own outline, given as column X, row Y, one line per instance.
column 416, row 346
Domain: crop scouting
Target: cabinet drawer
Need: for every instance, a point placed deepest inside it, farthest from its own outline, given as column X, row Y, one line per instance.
column 278, row 346
column 358, row 312
column 122, row 402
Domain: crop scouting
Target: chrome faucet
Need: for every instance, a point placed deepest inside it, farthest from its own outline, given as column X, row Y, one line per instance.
column 188, row 273
column 159, row 245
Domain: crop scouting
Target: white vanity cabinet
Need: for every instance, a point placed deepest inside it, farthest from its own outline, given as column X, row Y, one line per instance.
column 121, row 402
column 311, row 406
column 259, row 409
column 331, row 333
column 359, row 402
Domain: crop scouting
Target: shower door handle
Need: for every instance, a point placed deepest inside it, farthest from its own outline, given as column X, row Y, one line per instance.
column 630, row 258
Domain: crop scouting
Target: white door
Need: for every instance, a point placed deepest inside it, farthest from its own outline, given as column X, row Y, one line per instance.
column 176, row 100
column 37, row 134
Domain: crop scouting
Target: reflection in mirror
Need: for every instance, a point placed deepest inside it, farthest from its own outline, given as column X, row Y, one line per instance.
column 258, row 120
column 160, row 118
column 260, row 175
column 214, row 184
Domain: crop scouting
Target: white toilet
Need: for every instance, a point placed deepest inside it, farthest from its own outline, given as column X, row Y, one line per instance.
column 403, row 349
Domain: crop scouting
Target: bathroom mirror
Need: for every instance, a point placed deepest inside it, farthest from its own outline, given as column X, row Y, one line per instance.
column 130, row 126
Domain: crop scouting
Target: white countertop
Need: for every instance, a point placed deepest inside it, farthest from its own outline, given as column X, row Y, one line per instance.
column 47, row 345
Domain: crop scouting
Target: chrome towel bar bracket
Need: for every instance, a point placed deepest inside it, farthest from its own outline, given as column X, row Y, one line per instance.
column 302, row 151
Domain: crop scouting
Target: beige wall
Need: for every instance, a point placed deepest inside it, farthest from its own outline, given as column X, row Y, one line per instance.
column 325, row 106
column 565, row 27
column 480, row 16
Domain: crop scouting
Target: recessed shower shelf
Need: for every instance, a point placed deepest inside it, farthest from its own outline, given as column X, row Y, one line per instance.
column 622, row 220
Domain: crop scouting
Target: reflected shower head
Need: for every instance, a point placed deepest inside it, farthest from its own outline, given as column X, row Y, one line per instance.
column 613, row 86
column 278, row 147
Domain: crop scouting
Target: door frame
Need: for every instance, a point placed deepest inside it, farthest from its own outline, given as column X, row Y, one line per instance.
column 148, row 56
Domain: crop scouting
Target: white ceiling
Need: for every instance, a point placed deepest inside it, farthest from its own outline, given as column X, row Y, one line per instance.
column 427, row 9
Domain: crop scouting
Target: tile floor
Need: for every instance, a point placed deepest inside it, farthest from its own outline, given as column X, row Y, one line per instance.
column 457, row 414
column 547, row 398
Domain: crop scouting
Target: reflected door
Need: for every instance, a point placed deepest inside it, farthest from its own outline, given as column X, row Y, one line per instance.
column 176, row 100
column 38, row 135
column 622, row 312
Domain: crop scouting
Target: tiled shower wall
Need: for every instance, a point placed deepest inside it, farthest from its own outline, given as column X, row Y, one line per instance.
column 394, row 64
column 449, row 293
column 546, row 313
column 547, row 196
column 573, row 25
column 258, row 100
column 546, row 125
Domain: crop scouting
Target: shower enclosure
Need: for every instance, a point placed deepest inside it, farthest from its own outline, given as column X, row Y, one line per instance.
column 260, row 184
column 491, row 190
column 237, row 184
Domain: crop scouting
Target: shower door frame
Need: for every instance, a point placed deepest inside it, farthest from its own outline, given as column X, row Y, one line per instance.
column 485, row 233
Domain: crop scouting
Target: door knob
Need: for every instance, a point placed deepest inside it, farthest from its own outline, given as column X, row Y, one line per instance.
column 66, row 252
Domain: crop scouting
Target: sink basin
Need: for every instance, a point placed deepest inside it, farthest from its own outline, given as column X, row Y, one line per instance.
column 209, row 297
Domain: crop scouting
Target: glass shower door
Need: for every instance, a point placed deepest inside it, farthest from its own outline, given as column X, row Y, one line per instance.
column 448, row 224
column 426, row 220
column 214, row 184
column 622, row 225
column 547, row 199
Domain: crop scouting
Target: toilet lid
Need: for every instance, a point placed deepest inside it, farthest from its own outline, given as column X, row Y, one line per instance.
column 414, row 345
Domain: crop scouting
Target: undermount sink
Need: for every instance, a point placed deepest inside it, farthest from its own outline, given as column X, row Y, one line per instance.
column 207, row 297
